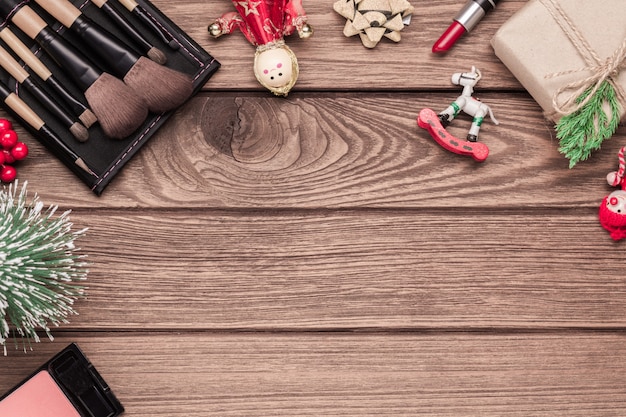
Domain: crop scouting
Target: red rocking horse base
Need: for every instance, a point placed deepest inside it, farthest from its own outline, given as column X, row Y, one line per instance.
column 429, row 120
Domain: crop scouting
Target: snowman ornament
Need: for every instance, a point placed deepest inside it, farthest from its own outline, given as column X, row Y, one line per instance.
column 612, row 211
column 265, row 24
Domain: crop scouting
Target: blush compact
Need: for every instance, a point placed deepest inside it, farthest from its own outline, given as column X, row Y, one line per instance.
column 68, row 385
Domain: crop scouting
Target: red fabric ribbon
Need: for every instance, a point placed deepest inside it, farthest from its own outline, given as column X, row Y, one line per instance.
column 263, row 21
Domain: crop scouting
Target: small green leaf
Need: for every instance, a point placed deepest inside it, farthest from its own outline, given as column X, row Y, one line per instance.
column 583, row 131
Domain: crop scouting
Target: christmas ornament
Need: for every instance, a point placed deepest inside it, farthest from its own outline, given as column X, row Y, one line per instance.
column 613, row 208
column 374, row 19
column 265, row 23
column 11, row 150
column 436, row 124
column 39, row 266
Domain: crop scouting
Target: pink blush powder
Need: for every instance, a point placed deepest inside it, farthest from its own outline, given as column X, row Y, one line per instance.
column 40, row 396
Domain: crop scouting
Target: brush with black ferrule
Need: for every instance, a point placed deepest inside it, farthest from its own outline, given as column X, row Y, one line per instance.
column 133, row 7
column 136, row 38
column 120, row 111
column 48, row 136
column 13, row 67
column 163, row 88
column 84, row 114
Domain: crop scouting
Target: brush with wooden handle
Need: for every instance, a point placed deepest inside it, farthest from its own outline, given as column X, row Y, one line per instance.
column 14, row 68
column 118, row 108
column 85, row 115
column 48, row 137
column 133, row 7
column 163, row 88
column 137, row 38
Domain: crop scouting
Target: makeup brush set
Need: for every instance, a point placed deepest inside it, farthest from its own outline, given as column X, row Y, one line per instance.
column 94, row 79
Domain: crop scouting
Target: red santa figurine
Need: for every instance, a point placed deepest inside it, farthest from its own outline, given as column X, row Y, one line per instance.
column 613, row 208
column 265, row 23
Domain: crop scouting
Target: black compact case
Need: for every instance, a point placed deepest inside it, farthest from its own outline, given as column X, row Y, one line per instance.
column 80, row 382
column 105, row 156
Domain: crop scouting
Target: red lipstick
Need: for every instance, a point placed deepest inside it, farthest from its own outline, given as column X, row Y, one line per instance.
column 465, row 21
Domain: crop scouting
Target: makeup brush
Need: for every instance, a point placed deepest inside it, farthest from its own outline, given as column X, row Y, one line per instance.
column 28, row 115
column 118, row 108
column 144, row 46
column 23, row 78
column 163, row 88
column 133, row 7
column 85, row 115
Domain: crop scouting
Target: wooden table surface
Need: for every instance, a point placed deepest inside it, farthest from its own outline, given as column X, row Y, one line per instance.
column 320, row 255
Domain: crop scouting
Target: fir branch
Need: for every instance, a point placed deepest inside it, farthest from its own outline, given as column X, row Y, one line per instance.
column 583, row 131
column 39, row 266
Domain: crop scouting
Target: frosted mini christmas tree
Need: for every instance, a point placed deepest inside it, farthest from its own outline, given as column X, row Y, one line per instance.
column 39, row 266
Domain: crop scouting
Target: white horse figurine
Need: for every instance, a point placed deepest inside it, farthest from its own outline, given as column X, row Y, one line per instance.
column 468, row 104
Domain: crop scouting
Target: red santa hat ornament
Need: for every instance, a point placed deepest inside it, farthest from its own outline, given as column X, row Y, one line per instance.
column 612, row 212
column 265, row 23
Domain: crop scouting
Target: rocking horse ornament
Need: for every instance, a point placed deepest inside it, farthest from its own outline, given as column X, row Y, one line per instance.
column 436, row 124
column 265, row 23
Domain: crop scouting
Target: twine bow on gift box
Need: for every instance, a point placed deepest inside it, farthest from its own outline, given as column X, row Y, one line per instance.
column 589, row 108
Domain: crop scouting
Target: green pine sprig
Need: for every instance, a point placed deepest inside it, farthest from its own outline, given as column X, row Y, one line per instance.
column 583, row 131
column 39, row 266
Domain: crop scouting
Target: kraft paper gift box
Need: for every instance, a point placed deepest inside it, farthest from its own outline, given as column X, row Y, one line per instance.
column 557, row 49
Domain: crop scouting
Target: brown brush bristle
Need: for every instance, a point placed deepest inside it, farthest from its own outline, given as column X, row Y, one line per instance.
column 119, row 110
column 79, row 132
column 163, row 88
column 87, row 118
column 157, row 55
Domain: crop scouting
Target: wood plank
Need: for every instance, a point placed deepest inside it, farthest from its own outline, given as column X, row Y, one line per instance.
column 228, row 150
column 320, row 255
column 361, row 269
column 402, row 66
column 435, row 374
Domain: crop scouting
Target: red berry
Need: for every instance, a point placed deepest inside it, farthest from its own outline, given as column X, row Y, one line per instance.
column 8, row 139
column 5, row 124
column 19, row 151
column 7, row 173
column 8, row 158
column 2, row 157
